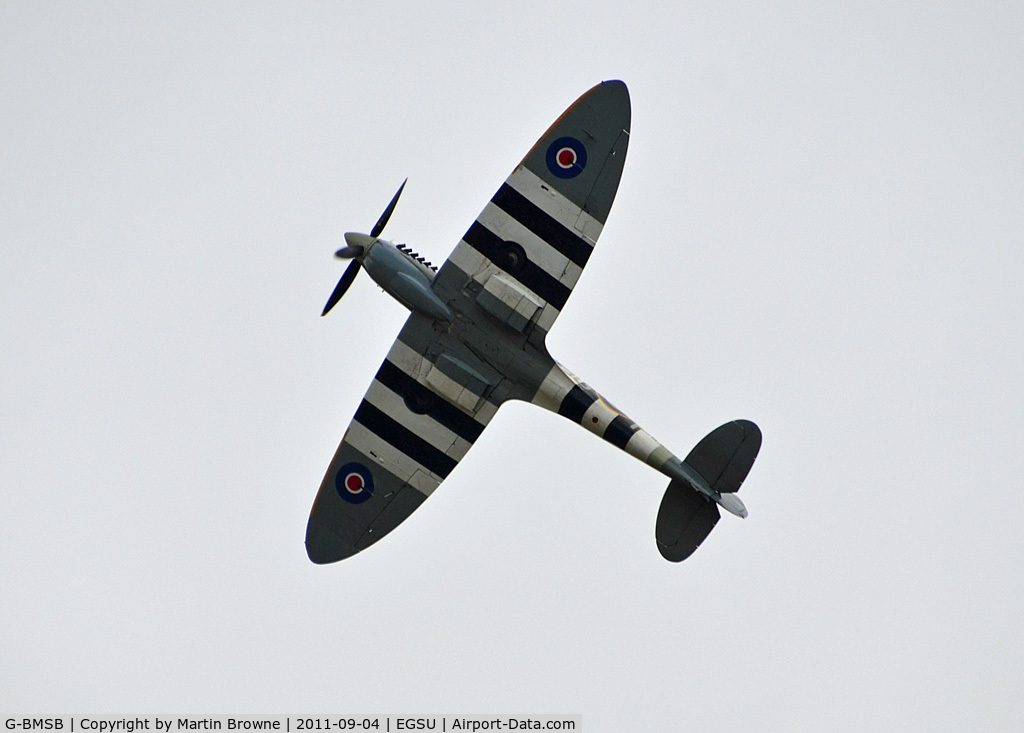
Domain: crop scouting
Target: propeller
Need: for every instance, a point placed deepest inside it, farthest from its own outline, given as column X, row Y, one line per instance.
column 356, row 246
column 339, row 290
column 383, row 220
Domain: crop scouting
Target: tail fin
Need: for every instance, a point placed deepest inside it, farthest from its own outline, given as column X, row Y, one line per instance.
column 722, row 461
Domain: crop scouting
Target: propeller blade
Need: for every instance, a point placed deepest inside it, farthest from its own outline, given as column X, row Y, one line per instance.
column 339, row 290
column 383, row 220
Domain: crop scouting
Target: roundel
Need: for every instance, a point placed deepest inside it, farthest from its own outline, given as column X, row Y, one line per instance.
column 566, row 157
column 354, row 483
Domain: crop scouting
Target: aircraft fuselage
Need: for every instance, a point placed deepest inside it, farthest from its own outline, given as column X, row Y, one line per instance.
column 402, row 276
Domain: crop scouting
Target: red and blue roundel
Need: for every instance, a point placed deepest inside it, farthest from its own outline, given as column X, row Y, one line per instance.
column 566, row 157
column 354, row 483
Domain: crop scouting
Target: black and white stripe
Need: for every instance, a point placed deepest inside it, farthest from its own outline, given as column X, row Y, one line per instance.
column 532, row 276
column 390, row 430
column 546, row 224
column 620, row 430
column 576, row 403
column 410, row 431
column 440, row 410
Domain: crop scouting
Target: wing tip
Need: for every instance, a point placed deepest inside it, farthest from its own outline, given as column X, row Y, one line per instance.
column 324, row 547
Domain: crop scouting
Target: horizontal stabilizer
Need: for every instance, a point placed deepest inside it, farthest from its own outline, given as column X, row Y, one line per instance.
column 684, row 520
column 709, row 476
column 724, row 457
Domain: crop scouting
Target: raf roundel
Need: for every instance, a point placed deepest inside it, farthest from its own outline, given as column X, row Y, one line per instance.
column 566, row 157
column 354, row 483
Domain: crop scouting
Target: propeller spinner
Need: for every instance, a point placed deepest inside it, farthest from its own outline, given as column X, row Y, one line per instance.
column 356, row 246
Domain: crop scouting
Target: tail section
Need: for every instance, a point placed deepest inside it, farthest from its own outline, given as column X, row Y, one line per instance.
column 562, row 391
column 708, row 479
column 710, row 476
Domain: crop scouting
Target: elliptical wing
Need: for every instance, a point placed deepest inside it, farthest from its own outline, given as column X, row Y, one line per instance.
column 417, row 420
column 540, row 228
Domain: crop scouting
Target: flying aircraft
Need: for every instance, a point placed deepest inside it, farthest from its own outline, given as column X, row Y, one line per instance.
column 475, row 338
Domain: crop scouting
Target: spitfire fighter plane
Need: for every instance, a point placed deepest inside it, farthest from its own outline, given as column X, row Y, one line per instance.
column 475, row 338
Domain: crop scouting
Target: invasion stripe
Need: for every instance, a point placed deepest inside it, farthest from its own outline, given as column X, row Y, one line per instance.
column 576, row 403
column 619, row 431
column 404, row 440
column 443, row 411
column 542, row 224
column 547, row 257
column 555, row 204
column 390, row 460
column 424, row 426
column 487, row 243
column 411, row 361
column 464, row 260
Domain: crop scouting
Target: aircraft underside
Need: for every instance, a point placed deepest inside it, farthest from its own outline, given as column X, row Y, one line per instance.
column 476, row 337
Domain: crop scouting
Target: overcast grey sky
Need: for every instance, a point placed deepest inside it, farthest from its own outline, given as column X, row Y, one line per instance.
column 819, row 228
